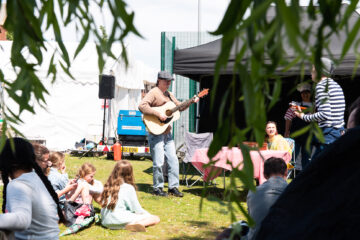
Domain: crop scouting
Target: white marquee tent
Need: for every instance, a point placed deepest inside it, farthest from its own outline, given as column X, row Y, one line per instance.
column 73, row 110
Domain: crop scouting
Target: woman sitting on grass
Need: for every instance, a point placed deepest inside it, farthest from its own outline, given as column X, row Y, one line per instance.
column 275, row 140
column 120, row 206
column 42, row 157
column 30, row 204
column 88, row 188
column 58, row 177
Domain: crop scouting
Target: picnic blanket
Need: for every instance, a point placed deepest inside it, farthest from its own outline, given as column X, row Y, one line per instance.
column 81, row 224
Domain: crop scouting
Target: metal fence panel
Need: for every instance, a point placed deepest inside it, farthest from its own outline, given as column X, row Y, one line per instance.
column 183, row 88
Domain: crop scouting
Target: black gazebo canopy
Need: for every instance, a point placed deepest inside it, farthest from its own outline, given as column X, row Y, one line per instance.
column 200, row 61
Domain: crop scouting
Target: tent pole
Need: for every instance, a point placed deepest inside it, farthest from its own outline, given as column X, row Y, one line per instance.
column 109, row 120
column 103, row 132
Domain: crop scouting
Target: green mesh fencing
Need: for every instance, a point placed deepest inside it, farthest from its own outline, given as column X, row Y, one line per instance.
column 183, row 88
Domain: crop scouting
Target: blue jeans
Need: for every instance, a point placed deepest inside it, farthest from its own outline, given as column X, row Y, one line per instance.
column 330, row 136
column 162, row 146
column 300, row 148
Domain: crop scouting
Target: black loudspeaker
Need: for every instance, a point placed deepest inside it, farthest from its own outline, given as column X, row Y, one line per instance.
column 106, row 86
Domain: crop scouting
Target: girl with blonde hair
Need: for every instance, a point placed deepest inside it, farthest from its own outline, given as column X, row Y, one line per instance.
column 58, row 177
column 88, row 188
column 120, row 205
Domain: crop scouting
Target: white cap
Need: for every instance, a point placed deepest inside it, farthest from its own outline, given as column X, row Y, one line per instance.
column 303, row 87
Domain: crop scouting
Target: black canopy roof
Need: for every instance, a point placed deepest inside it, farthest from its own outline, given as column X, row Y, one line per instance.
column 199, row 61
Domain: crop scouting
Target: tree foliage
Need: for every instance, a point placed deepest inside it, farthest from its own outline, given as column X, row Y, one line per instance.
column 264, row 40
column 29, row 20
column 260, row 38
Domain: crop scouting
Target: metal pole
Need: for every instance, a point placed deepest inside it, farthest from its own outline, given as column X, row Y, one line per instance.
column 199, row 42
column 109, row 120
column 103, row 133
column 162, row 51
column 199, row 21
column 197, row 116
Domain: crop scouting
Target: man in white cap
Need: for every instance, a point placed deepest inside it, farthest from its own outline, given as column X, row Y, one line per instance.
column 162, row 146
column 292, row 124
column 329, row 103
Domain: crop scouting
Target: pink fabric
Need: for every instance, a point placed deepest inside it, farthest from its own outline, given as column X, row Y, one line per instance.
column 84, row 210
column 234, row 156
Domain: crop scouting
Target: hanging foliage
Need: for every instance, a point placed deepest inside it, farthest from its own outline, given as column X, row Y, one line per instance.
column 29, row 20
column 261, row 32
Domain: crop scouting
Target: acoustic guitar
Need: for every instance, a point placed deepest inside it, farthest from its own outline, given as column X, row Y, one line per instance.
column 156, row 126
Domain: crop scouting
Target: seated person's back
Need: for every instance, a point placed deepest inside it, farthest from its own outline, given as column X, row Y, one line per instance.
column 266, row 194
column 259, row 202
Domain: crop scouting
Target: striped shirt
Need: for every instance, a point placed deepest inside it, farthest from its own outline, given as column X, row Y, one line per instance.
column 330, row 105
column 290, row 114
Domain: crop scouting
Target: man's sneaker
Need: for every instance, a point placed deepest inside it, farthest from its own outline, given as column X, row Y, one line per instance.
column 174, row 191
column 159, row 192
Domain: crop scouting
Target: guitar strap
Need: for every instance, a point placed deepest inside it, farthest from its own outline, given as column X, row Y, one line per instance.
column 169, row 95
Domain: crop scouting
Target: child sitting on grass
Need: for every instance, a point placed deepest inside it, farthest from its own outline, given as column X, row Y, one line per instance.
column 120, row 206
column 59, row 178
column 88, row 188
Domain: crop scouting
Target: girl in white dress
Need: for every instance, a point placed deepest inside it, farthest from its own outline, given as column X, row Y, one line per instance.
column 120, row 206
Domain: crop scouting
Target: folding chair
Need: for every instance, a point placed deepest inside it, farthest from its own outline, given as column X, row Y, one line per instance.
column 192, row 142
column 293, row 159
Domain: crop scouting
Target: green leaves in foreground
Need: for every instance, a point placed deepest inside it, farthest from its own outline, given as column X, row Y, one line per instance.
column 260, row 33
column 27, row 21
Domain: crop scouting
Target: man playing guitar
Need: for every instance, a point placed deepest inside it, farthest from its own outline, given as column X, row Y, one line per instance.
column 162, row 145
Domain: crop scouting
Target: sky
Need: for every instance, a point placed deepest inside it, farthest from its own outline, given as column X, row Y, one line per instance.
column 156, row 16
column 152, row 18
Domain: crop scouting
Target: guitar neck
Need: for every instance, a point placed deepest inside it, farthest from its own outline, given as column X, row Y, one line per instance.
column 187, row 102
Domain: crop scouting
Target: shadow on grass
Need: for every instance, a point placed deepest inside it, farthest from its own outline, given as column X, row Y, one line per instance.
column 205, row 235
column 243, row 195
column 137, row 157
column 149, row 170
column 197, row 181
column 198, row 223
column 214, row 193
column 129, row 157
column 144, row 187
column 210, row 191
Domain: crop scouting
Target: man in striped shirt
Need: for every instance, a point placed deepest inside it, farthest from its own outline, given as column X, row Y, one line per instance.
column 293, row 124
column 329, row 103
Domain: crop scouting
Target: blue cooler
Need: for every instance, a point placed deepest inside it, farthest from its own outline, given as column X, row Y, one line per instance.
column 130, row 123
column 131, row 128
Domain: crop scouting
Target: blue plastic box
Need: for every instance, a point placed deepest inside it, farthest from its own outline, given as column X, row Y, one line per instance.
column 130, row 123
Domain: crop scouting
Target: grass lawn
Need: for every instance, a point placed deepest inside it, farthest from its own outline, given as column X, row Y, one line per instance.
column 180, row 217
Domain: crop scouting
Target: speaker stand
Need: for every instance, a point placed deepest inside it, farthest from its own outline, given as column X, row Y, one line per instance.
column 103, row 131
